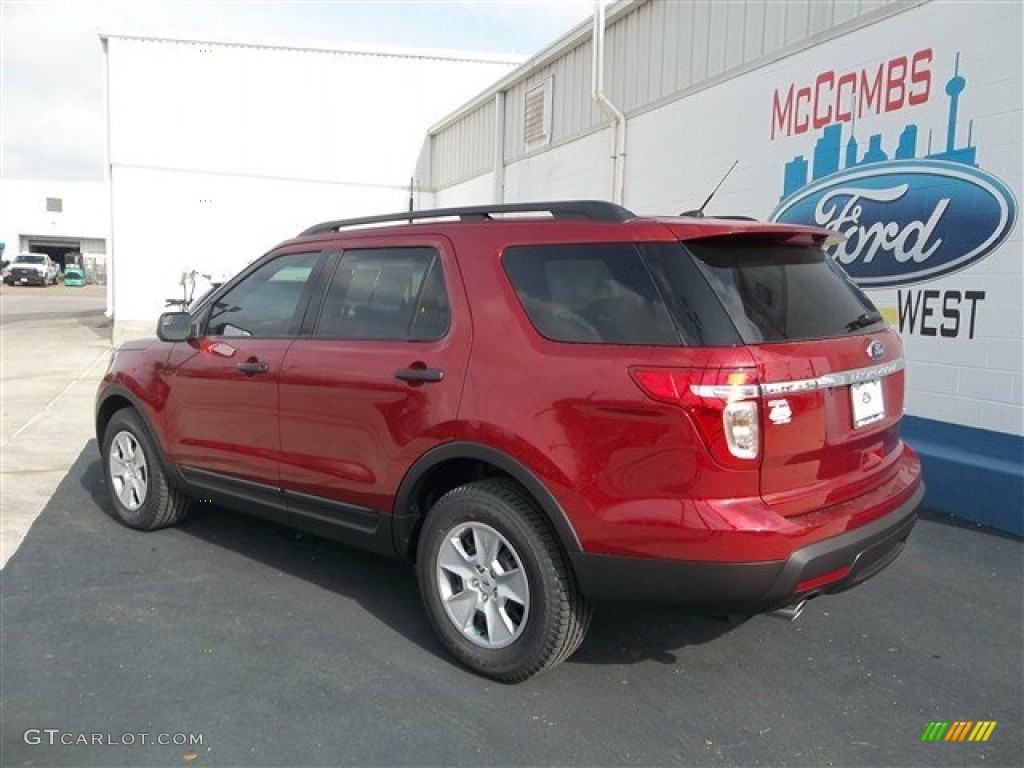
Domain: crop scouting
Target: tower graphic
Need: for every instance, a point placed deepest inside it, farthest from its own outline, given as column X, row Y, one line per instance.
column 954, row 88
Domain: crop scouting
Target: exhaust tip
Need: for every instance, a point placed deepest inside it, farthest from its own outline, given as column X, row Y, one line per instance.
column 790, row 612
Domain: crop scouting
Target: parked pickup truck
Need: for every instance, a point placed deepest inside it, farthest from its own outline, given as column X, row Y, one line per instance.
column 32, row 269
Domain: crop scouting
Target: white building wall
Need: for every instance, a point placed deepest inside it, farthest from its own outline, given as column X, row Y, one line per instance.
column 23, row 215
column 467, row 149
column 472, row 192
column 220, row 150
column 237, row 220
column 577, row 169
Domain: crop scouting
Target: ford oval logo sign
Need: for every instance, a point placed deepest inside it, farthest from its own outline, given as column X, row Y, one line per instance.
column 906, row 221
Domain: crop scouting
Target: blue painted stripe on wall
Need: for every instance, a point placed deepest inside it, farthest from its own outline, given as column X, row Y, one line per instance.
column 973, row 474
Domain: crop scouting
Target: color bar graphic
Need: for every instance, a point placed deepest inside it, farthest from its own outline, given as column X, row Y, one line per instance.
column 982, row 730
column 958, row 730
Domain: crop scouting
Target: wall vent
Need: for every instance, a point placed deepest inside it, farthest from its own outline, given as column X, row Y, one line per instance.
column 537, row 114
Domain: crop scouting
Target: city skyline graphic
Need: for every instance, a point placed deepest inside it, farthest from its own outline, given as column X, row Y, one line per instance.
column 829, row 151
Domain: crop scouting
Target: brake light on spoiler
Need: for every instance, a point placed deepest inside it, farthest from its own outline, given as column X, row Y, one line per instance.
column 724, row 404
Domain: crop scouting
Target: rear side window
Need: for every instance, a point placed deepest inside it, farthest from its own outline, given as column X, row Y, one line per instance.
column 386, row 294
column 617, row 293
column 784, row 293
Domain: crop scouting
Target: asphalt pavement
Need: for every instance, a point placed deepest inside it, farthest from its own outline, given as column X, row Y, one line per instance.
column 277, row 648
column 238, row 642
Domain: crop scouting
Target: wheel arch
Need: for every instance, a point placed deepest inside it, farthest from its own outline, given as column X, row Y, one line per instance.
column 116, row 399
column 448, row 466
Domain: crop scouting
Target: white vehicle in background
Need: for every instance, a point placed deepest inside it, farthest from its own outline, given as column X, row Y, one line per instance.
column 32, row 269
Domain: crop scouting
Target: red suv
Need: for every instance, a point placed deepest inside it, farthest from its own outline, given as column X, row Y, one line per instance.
column 541, row 406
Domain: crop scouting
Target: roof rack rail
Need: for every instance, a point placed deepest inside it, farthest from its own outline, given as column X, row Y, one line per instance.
column 593, row 210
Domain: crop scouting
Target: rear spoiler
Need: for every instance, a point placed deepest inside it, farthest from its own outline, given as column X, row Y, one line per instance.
column 748, row 231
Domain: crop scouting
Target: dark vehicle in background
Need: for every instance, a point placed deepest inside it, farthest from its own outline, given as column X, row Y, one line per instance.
column 542, row 407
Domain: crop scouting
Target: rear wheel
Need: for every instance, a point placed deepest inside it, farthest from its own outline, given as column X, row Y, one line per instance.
column 136, row 480
column 497, row 587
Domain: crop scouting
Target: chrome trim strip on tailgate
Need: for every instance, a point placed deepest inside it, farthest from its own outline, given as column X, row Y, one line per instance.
column 830, row 380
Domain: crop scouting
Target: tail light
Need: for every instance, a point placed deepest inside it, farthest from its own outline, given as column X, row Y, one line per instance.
column 724, row 404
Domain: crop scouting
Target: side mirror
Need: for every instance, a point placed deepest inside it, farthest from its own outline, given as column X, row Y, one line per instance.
column 174, row 326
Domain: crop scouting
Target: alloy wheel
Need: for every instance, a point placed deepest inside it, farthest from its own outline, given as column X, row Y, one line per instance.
column 483, row 585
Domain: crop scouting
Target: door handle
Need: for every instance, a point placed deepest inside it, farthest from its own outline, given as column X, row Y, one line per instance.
column 420, row 375
column 253, row 366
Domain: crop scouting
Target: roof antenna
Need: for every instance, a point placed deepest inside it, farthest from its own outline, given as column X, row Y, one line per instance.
column 699, row 213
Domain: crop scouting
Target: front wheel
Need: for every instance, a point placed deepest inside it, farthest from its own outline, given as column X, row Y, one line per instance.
column 138, row 486
column 496, row 585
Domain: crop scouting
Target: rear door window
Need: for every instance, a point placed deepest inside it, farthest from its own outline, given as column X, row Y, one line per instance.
column 384, row 294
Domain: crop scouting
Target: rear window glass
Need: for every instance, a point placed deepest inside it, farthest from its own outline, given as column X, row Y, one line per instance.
column 710, row 293
column 618, row 293
column 782, row 293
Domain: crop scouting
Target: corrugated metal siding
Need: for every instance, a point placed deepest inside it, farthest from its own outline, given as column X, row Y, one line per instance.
column 466, row 148
column 660, row 49
column 573, row 109
column 663, row 48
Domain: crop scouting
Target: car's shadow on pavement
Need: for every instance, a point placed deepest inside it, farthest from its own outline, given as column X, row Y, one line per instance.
column 388, row 589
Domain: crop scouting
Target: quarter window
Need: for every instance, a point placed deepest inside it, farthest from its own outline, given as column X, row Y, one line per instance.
column 266, row 303
column 386, row 294
column 594, row 293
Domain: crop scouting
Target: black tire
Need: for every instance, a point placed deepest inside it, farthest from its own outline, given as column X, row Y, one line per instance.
column 137, row 483
column 543, row 632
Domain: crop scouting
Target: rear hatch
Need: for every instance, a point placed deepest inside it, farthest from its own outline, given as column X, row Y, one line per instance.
column 829, row 367
column 788, row 373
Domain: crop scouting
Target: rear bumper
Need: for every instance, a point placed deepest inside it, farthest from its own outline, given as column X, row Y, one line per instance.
column 828, row 566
